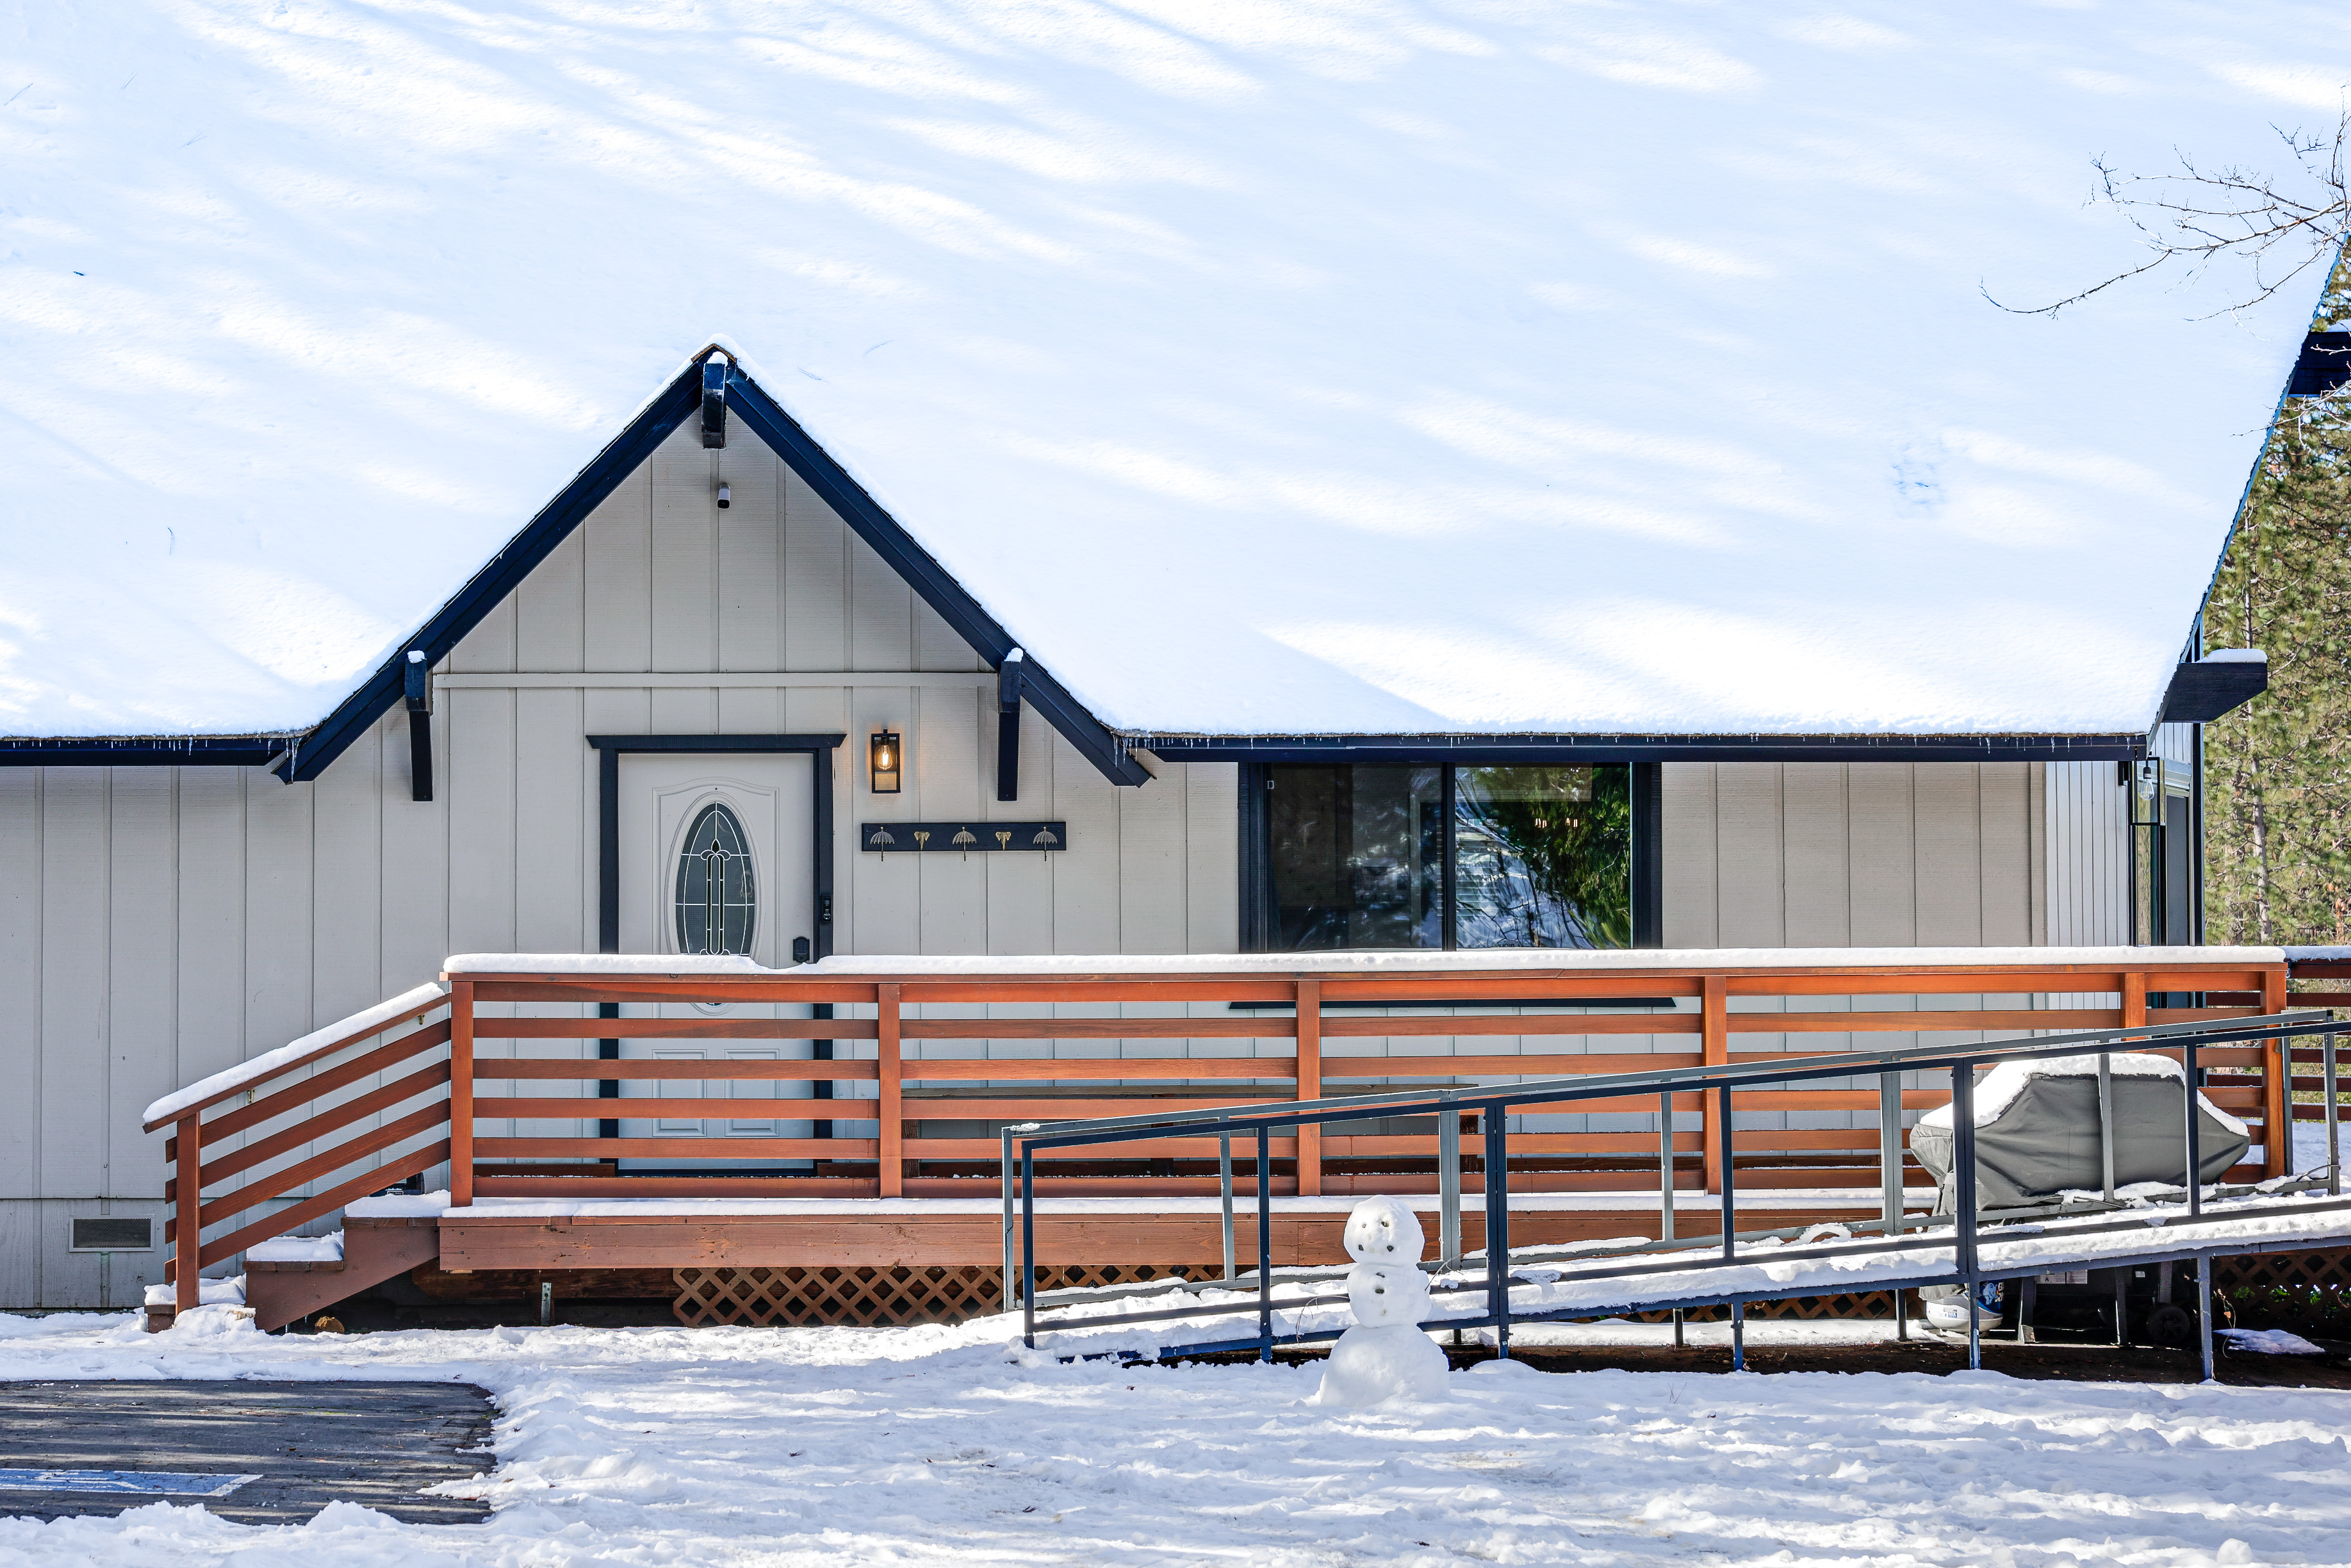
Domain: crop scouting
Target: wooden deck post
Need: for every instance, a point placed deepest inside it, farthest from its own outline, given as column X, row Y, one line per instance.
column 188, row 1236
column 2277, row 1085
column 1714, row 1050
column 893, row 1130
column 2133, row 988
column 1310, row 1085
column 461, row 1094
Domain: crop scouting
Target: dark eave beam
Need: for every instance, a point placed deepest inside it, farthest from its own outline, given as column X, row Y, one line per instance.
column 209, row 751
column 1499, row 750
column 2202, row 690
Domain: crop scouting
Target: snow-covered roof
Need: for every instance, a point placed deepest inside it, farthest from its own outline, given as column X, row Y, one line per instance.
column 1392, row 368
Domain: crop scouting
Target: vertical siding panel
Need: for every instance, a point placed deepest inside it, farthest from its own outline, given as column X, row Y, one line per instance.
column 882, row 609
column 554, row 817
column 1882, row 855
column 482, row 820
column 619, row 578
column 1950, row 855
column 1819, row 889
column 815, row 581
column 889, row 887
column 2036, row 813
column 22, row 939
column 749, row 548
column 2005, row 793
column 684, row 710
column 490, row 646
column 685, row 554
column 142, row 948
column 212, row 924
column 937, row 645
column 1212, row 855
column 74, row 985
column 604, row 711
column 1692, row 855
column 415, row 874
column 1751, row 877
column 1019, row 886
column 1151, row 885
column 945, row 752
column 551, row 610
column 348, row 930
column 1086, row 874
column 278, row 916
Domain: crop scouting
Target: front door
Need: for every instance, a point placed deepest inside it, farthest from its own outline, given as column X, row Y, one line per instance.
column 715, row 858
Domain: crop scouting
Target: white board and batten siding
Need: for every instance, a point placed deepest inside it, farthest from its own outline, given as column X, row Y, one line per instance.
column 160, row 925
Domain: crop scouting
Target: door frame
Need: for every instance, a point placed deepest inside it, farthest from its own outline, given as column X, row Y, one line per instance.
column 611, row 749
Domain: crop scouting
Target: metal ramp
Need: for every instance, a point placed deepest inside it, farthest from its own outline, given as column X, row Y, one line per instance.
column 2107, row 1230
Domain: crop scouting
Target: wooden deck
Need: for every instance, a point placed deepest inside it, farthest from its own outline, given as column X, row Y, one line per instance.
column 510, row 1083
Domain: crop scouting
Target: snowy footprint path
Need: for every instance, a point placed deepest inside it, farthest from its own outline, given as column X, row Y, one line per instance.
column 823, row 1446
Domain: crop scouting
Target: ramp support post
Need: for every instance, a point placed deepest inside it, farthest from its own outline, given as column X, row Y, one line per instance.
column 1889, row 1151
column 1011, row 1283
column 2334, row 1132
column 1225, row 1195
column 1963, row 1198
column 1264, row 1242
column 2195, row 1141
column 1498, row 1226
column 1665, row 1167
column 1738, row 1336
column 1449, row 1185
column 2204, row 1313
column 2107, row 1121
column 1028, row 1247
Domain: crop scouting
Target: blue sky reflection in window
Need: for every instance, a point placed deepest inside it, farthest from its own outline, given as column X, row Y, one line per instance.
column 716, row 891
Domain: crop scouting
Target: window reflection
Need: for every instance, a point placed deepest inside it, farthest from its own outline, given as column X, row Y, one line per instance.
column 1356, row 856
column 1542, row 857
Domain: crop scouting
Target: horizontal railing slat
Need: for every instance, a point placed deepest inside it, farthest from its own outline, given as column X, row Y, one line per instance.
column 416, row 1163
column 277, row 1183
column 672, row 1028
column 680, row 1147
column 381, row 1059
column 491, row 1069
column 332, row 1120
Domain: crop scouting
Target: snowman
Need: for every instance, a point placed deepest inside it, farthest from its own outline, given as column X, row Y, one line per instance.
column 1386, row 1355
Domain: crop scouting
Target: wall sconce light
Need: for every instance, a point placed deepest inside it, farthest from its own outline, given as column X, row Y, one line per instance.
column 2146, row 793
column 887, row 756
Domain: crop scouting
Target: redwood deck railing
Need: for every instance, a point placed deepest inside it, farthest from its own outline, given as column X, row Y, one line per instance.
column 268, row 1130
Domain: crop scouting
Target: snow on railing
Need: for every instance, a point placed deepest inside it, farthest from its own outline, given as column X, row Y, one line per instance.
column 318, row 1042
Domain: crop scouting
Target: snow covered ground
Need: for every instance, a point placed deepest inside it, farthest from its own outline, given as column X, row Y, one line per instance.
column 944, row 1445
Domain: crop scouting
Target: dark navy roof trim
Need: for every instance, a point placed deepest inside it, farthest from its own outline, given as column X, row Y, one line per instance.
column 681, row 401
column 1490, row 751
column 117, row 751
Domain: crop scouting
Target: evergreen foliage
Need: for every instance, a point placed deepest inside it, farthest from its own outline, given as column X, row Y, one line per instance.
column 2278, row 770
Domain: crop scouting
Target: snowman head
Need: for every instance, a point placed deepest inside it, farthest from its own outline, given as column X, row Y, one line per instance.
column 1382, row 1295
column 1383, row 1230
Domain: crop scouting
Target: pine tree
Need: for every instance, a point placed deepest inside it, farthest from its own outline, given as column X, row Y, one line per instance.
column 2278, row 770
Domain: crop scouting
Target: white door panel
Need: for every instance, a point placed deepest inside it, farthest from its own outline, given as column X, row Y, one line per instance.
column 662, row 797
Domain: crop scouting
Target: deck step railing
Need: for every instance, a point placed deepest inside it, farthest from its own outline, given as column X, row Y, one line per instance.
column 375, row 1091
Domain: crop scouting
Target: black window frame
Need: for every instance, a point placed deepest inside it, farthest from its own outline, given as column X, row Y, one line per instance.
column 1257, row 918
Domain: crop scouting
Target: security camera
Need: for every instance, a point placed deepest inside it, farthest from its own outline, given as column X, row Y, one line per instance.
column 725, row 498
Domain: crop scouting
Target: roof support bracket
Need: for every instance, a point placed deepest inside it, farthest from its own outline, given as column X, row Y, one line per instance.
column 419, row 692
column 714, row 402
column 1007, row 725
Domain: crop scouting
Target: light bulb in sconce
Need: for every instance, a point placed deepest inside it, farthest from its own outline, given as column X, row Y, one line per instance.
column 886, row 757
column 725, row 498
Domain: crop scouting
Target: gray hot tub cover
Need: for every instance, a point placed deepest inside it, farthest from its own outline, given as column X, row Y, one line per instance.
column 2037, row 1130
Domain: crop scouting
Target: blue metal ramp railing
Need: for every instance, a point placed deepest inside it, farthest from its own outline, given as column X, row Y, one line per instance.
column 1963, row 1238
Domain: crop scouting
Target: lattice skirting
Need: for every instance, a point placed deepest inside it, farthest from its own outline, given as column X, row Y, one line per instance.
column 881, row 1296
column 2321, row 1271
column 939, row 1294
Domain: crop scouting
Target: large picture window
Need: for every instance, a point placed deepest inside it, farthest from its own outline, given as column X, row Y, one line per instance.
column 1439, row 855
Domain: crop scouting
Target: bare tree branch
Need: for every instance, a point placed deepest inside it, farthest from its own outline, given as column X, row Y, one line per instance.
column 2282, row 226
